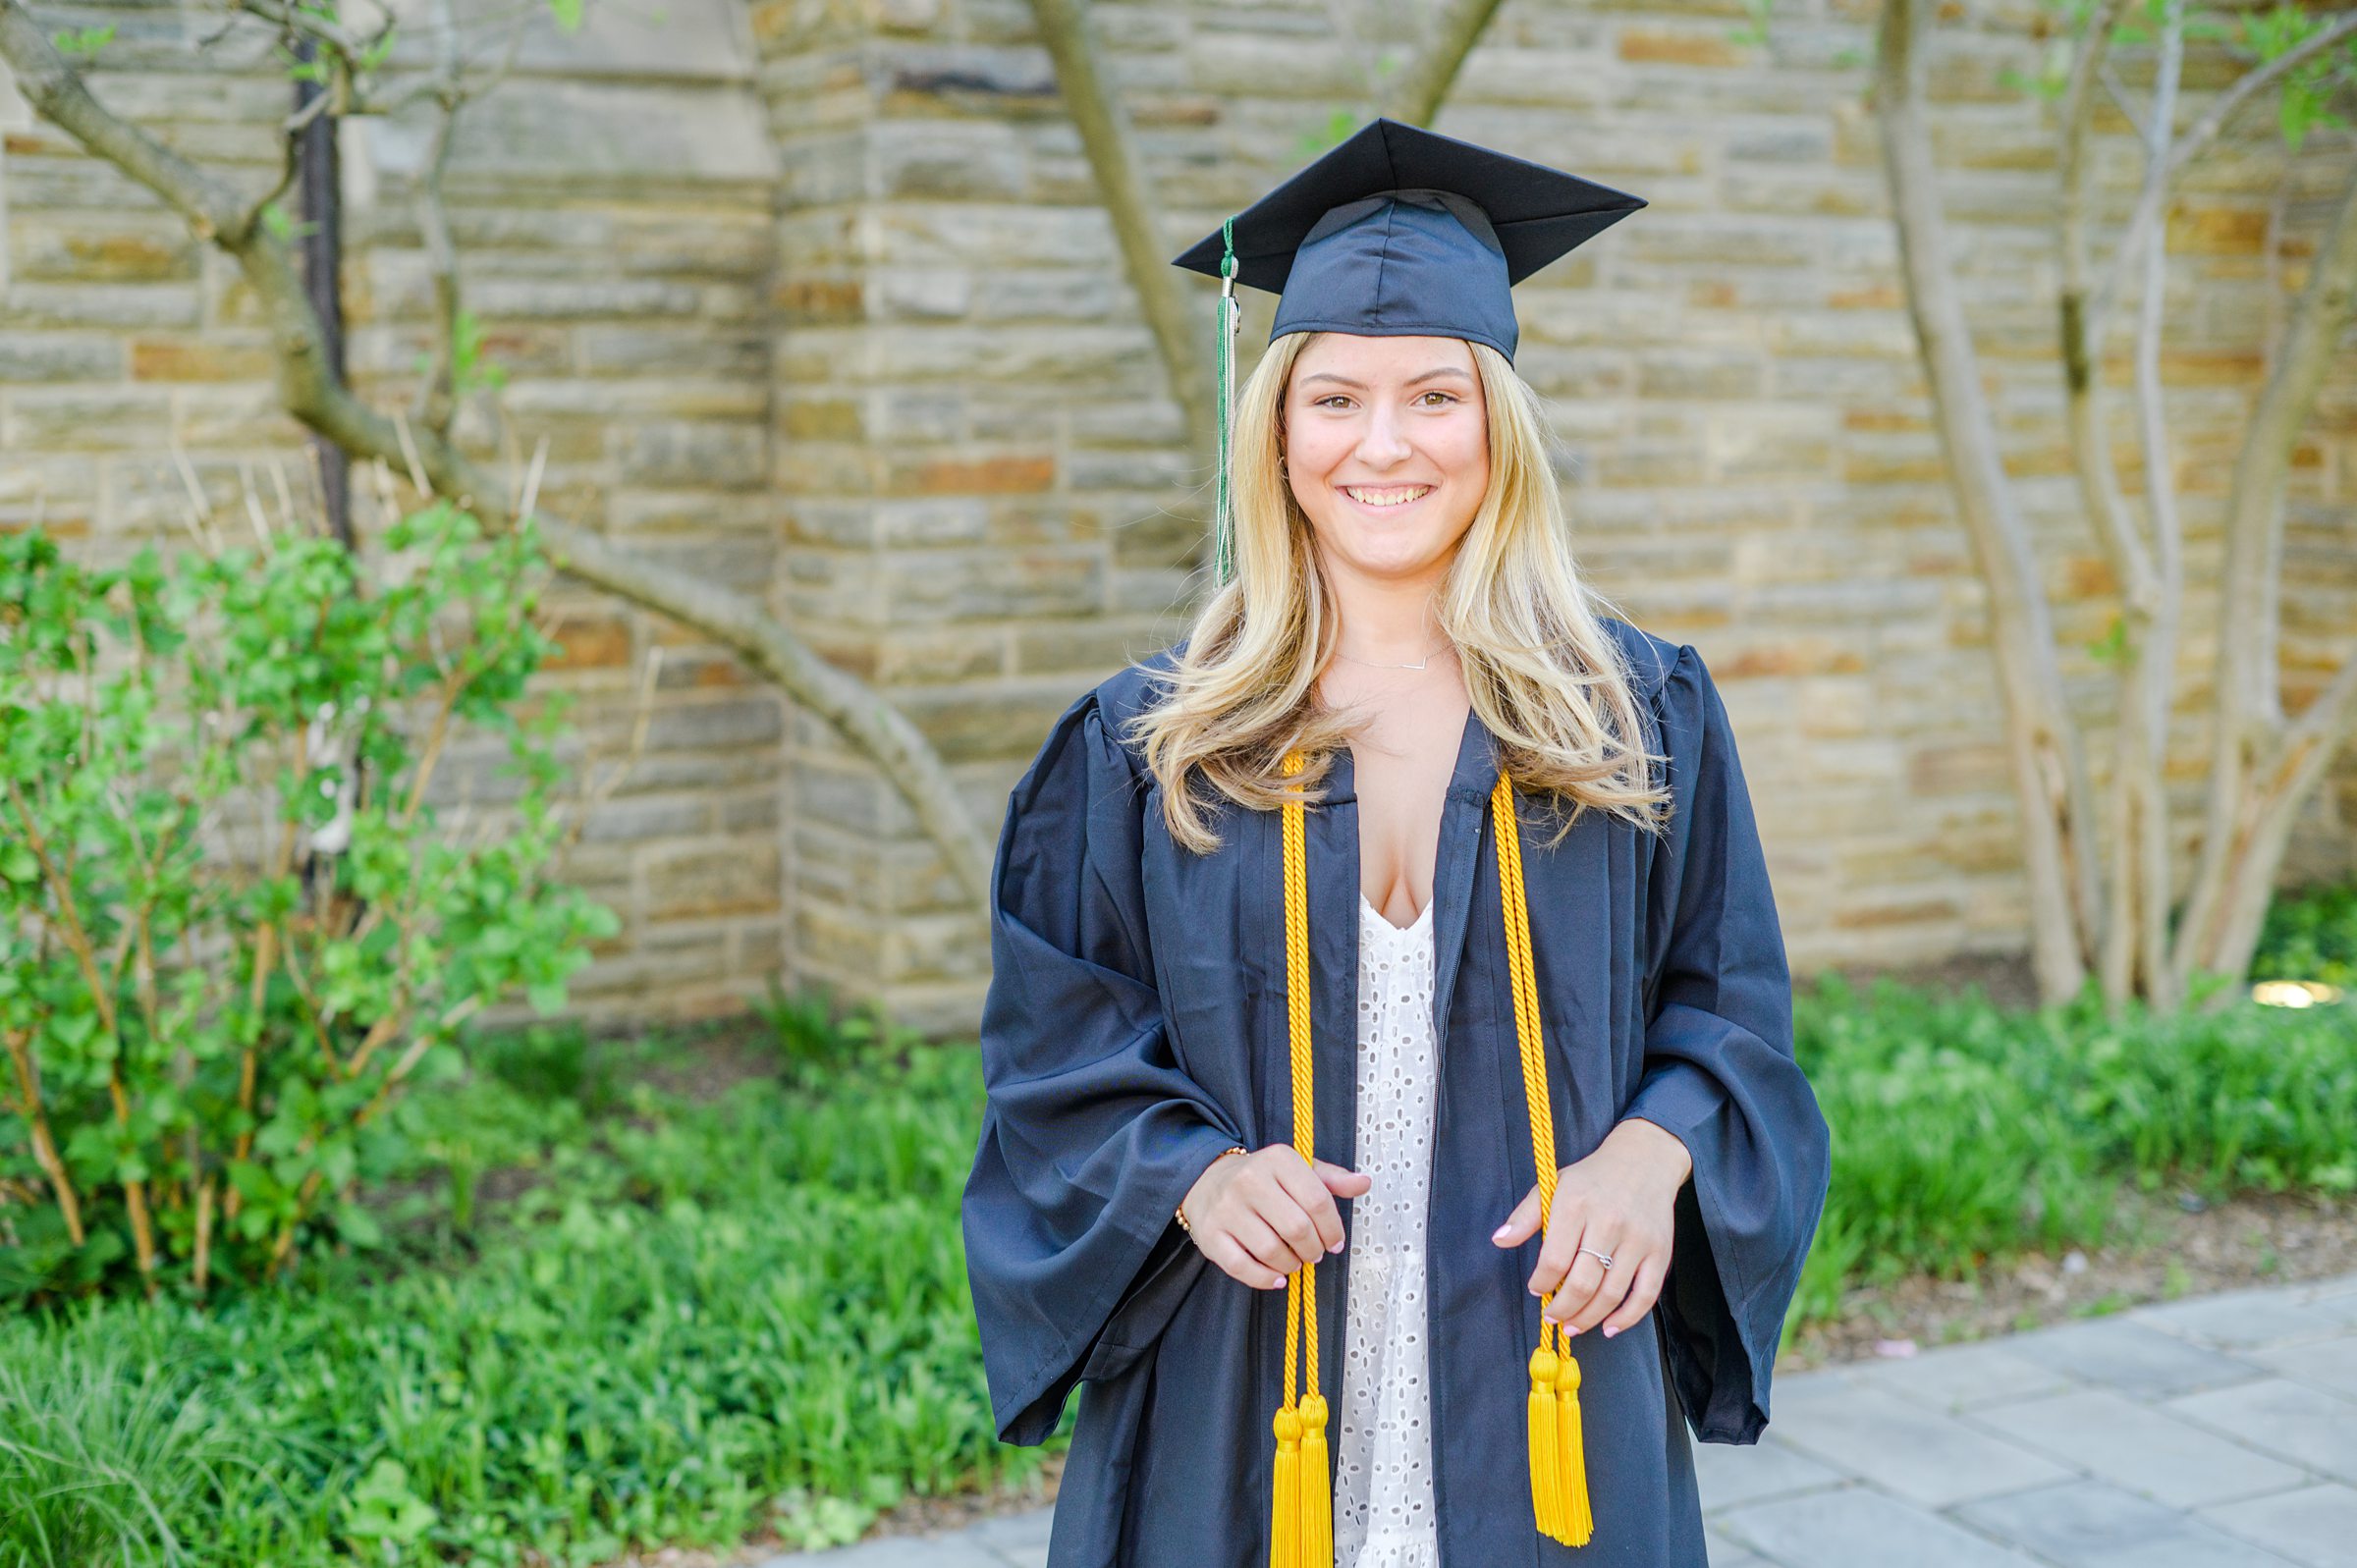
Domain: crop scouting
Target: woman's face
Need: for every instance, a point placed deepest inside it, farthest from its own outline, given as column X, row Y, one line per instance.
column 1386, row 447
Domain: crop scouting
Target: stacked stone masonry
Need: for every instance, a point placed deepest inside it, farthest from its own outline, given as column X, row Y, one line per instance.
column 815, row 297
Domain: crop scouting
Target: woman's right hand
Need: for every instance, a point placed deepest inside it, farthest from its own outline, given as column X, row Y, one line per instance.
column 1261, row 1216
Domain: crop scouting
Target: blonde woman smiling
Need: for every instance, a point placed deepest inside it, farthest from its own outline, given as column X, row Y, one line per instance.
column 1392, row 1122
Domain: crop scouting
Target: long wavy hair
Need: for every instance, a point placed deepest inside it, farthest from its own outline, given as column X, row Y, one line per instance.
column 1544, row 674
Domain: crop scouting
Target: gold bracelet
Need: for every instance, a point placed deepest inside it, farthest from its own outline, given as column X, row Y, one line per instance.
column 1181, row 1211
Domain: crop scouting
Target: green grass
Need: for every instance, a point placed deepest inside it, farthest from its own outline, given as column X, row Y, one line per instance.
column 609, row 1313
column 101, row 1461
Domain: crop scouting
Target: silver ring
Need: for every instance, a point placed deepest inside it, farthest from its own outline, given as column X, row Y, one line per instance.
column 1598, row 1256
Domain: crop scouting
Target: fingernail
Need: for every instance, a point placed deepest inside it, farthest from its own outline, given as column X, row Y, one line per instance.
column 1572, row 1333
column 1336, row 1247
column 1498, row 1234
column 1610, row 1330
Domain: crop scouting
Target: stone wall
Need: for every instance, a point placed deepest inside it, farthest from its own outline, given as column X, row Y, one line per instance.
column 611, row 204
column 817, row 295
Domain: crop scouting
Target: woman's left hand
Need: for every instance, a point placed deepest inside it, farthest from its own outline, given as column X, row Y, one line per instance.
column 1622, row 1201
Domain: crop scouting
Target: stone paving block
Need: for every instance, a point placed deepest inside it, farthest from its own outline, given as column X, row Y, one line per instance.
column 954, row 1550
column 2138, row 1447
column 2315, row 1526
column 2133, row 1358
column 2332, row 1363
column 1857, row 1526
column 1728, row 1473
column 1725, row 1553
column 1919, row 1453
column 2306, row 1425
column 2237, row 1320
column 2087, row 1524
column 1018, row 1540
column 1961, row 1376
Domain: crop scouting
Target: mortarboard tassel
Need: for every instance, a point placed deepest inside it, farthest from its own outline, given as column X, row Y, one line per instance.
column 1301, row 1495
column 1232, row 316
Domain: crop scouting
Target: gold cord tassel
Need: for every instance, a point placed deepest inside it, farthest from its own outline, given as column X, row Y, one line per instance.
column 1571, row 1451
column 1317, row 1486
column 1545, row 1470
column 1284, row 1500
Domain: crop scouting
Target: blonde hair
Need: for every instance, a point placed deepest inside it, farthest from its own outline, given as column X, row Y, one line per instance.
column 1542, row 673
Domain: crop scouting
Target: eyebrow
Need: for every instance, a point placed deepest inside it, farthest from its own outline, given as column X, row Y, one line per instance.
column 1360, row 386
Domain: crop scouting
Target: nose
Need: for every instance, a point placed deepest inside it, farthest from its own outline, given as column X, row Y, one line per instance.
column 1385, row 443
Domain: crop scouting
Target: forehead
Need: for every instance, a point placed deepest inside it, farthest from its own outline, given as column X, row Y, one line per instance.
column 1370, row 359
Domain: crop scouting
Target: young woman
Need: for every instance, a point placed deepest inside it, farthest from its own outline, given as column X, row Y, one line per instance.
column 1469, row 1063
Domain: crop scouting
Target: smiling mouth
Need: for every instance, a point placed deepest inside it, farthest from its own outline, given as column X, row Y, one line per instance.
column 1387, row 495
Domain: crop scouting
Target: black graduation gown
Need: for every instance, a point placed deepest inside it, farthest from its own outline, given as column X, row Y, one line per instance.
column 1135, row 1027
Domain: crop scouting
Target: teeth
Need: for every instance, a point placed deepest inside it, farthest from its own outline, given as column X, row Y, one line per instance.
column 1386, row 498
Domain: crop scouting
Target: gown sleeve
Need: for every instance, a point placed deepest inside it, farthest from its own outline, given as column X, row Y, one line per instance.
column 1091, row 1133
column 1719, row 1073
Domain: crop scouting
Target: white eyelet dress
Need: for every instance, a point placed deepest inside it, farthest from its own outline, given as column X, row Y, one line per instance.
column 1383, row 1504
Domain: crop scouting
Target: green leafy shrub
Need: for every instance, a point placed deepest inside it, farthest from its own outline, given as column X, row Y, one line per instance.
column 1964, row 1132
column 232, row 926
column 2310, row 936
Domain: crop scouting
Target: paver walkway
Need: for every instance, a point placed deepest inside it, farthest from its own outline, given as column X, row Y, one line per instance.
column 2218, row 1432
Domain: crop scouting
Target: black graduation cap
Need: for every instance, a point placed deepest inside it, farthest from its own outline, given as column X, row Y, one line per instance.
column 1402, row 231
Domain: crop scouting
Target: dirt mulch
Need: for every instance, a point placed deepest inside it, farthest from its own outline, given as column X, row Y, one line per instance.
column 2165, row 1252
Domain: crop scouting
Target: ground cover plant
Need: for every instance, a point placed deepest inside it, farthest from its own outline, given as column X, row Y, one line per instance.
column 697, row 1288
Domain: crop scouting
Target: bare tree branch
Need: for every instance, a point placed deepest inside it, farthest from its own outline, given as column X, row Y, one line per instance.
column 312, row 393
column 1111, row 147
column 2087, row 413
column 211, row 206
column 2194, row 142
column 437, row 395
column 1429, row 74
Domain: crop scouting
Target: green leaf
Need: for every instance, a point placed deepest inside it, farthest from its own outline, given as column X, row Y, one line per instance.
column 359, row 1227
column 83, row 42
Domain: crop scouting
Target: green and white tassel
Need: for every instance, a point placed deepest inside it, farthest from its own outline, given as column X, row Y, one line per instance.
column 1230, row 319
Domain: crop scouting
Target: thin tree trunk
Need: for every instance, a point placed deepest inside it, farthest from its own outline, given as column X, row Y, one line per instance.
column 2149, row 680
column 2048, row 775
column 2262, row 772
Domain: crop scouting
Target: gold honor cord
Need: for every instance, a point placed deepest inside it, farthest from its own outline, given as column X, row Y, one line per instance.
column 1558, row 1485
column 1302, row 1493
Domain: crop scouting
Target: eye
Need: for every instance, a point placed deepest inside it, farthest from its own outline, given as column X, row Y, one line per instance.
column 1332, row 396
column 1445, row 397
